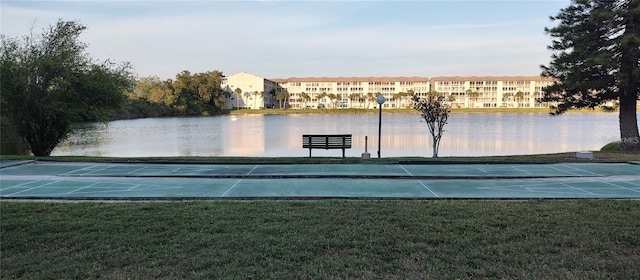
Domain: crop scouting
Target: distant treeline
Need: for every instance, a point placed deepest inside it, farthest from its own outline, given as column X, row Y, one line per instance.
column 187, row 95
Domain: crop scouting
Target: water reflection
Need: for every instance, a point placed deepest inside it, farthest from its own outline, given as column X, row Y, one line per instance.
column 245, row 136
column 402, row 135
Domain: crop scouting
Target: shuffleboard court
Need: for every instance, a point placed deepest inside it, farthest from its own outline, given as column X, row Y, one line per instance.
column 81, row 180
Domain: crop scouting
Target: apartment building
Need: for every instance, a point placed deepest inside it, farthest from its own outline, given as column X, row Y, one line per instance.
column 354, row 92
column 492, row 92
column 250, row 91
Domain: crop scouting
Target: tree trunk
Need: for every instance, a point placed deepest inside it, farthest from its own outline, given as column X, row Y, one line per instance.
column 628, row 79
column 435, row 148
column 41, row 152
column 41, row 146
column 629, row 138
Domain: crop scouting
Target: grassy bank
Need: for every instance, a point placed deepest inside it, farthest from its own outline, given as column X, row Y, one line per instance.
column 599, row 156
column 404, row 111
column 578, row 239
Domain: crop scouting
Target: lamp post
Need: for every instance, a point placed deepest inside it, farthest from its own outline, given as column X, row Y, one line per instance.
column 380, row 101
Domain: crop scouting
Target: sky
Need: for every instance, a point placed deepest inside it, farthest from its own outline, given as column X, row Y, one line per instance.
column 282, row 39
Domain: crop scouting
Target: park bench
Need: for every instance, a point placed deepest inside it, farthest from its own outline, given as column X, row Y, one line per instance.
column 335, row 141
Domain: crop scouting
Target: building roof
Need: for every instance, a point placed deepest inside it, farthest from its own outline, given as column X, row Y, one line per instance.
column 489, row 78
column 352, row 79
column 413, row 79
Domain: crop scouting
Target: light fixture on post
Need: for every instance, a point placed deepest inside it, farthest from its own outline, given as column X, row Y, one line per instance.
column 380, row 101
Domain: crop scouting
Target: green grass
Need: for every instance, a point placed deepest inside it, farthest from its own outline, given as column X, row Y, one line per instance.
column 405, row 111
column 599, row 156
column 574, row 239
column 443, row 239
column 385, row 110
column 314, row 111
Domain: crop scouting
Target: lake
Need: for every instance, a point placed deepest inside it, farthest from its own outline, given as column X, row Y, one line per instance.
column 402, row 135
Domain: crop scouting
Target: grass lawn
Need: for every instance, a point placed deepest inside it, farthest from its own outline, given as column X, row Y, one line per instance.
column 599, row 156
column 407, row 111
column 442, row 239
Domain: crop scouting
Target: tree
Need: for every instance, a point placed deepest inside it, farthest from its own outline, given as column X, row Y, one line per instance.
column 473, row 95
column 320, row 99
column 186, row 94
column 154, row 90
column 245, row 97
column 596, row 61
column 397, row 98
column 371, row 97
column 199, row 93
column 145, row 85
column 282, row 96
column 272, row 96
column 354, row 96
column 238, row 91
column 451, row 98
column 50, row 85
column 255, row 98
column 305, row 98
column 519, row 96
column 208, row 89
column 435, row 113
column 374, row 97
column 407, row 95
column 332, row 98
column 507, row 98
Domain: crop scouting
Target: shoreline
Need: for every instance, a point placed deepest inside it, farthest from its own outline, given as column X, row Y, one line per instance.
column 601, row 156
column 350, row 111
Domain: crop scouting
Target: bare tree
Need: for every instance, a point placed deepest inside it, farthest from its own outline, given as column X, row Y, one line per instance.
column 435, row 113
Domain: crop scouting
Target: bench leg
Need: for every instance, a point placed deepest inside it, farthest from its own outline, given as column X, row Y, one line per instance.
column 342, row 152
column 309, row 152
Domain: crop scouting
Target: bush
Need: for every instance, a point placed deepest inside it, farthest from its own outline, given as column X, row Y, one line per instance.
column 613, row 146
column 10, row 141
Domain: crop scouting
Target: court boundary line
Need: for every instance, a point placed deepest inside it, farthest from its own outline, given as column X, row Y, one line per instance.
column 132, row 188
column 422, row 184
column 74, row 171
column 618, row 186
column 134, row 171
column 82, row 188
column 230, row 188
column 522, row 170
column 20, row 185
column 339, row 176
column 17, row 163
column 254, row 168
column 582, row 170
column 633, row 183
column 564, row 171
column 97, row 170
column 405, row 170
column 578, row 189
column 30, row 189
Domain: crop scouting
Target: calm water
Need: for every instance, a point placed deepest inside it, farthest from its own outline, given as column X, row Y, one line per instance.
column 402, row 135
